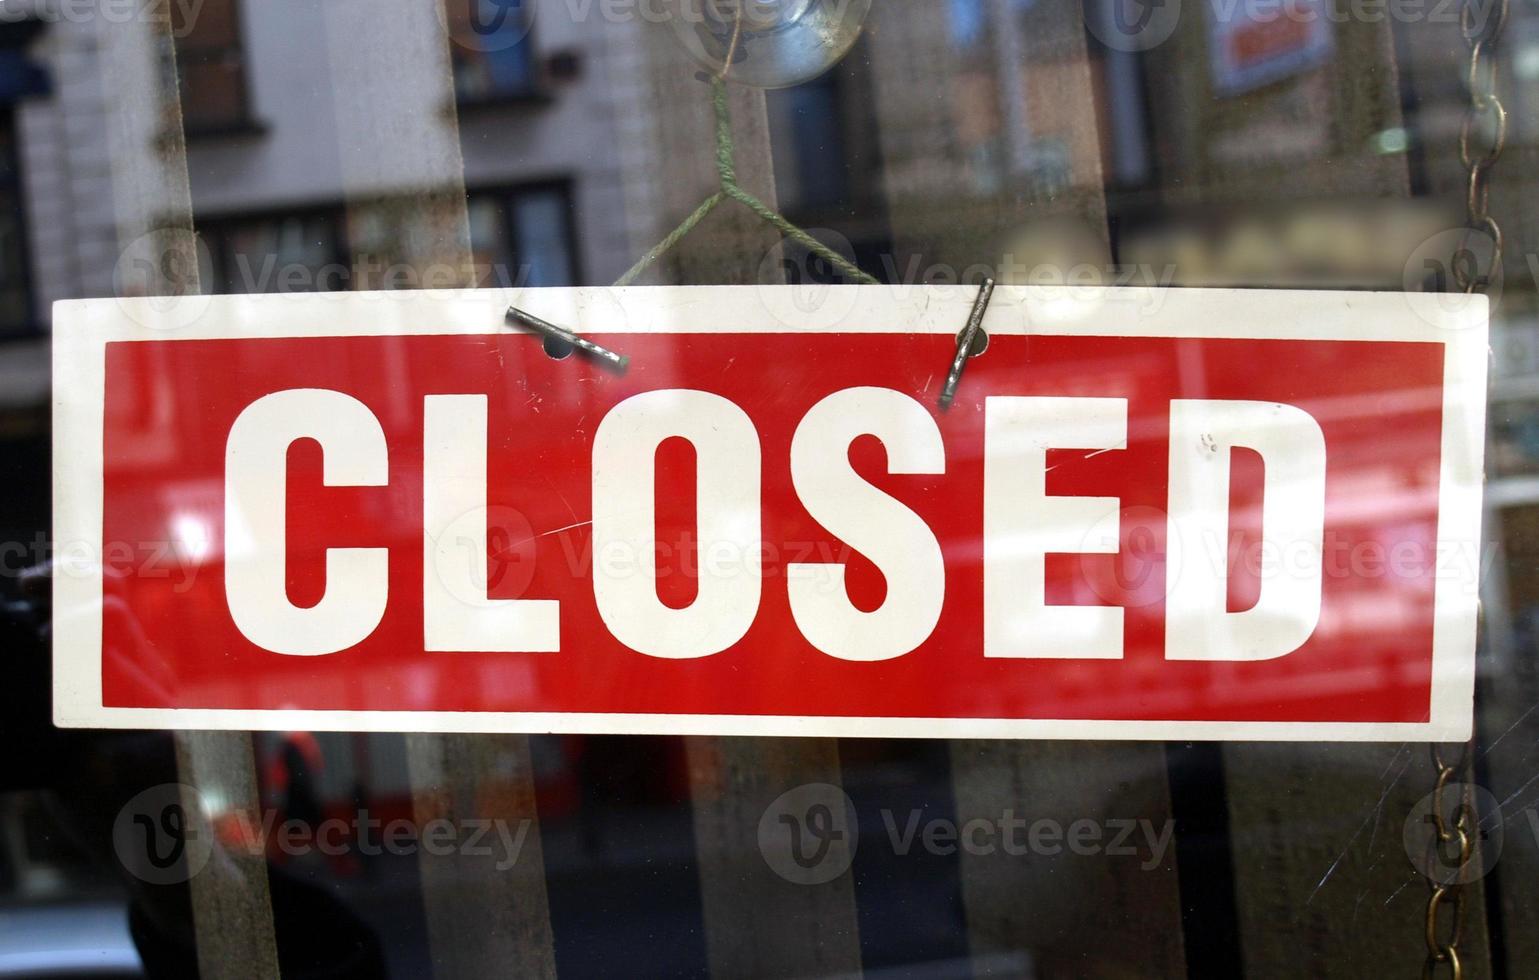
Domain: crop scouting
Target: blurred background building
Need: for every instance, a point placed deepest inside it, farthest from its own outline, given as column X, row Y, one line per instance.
column 958, row 138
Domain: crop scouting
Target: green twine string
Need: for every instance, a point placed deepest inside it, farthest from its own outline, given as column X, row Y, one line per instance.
column 726, row 170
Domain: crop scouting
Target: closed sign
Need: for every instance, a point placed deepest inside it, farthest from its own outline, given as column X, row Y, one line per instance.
column 1161, row 514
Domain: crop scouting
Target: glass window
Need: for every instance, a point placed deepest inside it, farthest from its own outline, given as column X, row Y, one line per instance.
column 494, row 54
column 281, row 253
column 211, row 66
column 16, row 315
column 1113, row 159
column 523, row 237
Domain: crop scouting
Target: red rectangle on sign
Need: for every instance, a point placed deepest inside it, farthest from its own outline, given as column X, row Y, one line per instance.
column 1194, row 527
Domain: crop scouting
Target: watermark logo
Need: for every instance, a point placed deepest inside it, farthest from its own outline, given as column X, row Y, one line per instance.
column 1127, row 558
column 157, row 276
column 160, row 837
column 182, row 14
column 809, row 834
column 486, row 551
column 486, row 26
column 810, row 297
column 1132, row 25
column 157, row 840
column 1440, row 860
column 1443, row 263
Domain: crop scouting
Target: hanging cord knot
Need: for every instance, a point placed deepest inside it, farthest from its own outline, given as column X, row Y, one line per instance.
column 726, row 171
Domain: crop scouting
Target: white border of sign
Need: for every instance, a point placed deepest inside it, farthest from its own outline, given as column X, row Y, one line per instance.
column 83, row 328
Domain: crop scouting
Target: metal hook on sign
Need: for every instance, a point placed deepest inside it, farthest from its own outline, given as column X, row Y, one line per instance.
column 605, row 356
column 966, row 341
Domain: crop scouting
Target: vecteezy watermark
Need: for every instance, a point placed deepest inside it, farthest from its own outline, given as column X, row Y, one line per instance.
column 1132, row 25
column 177, row 559
column 183, row 14
column 810, row 833
column 1439, row 860
column 155, row 838
column 1439, row 264
column 1019, row 836
column 486, row 26
column 1137, row 557
column 163, row 279
column 1079, row 282
column 264, row 274
column 167, row 834
column 1444, row 263
column 802, row 288
column 495, row 550
column 1348, row 11
column 812, row 299
column 161, row 272
column 1139, row 25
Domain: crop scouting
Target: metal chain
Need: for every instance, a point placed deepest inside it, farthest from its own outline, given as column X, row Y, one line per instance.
column 1453, row 845
column 1482, row 137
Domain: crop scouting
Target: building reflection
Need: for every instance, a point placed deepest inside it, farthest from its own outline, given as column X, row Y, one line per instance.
column 959, row 138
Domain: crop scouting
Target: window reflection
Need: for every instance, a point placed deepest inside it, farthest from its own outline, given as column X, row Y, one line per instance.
column 520, row 236
column 493, row 55
column 959, row 138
